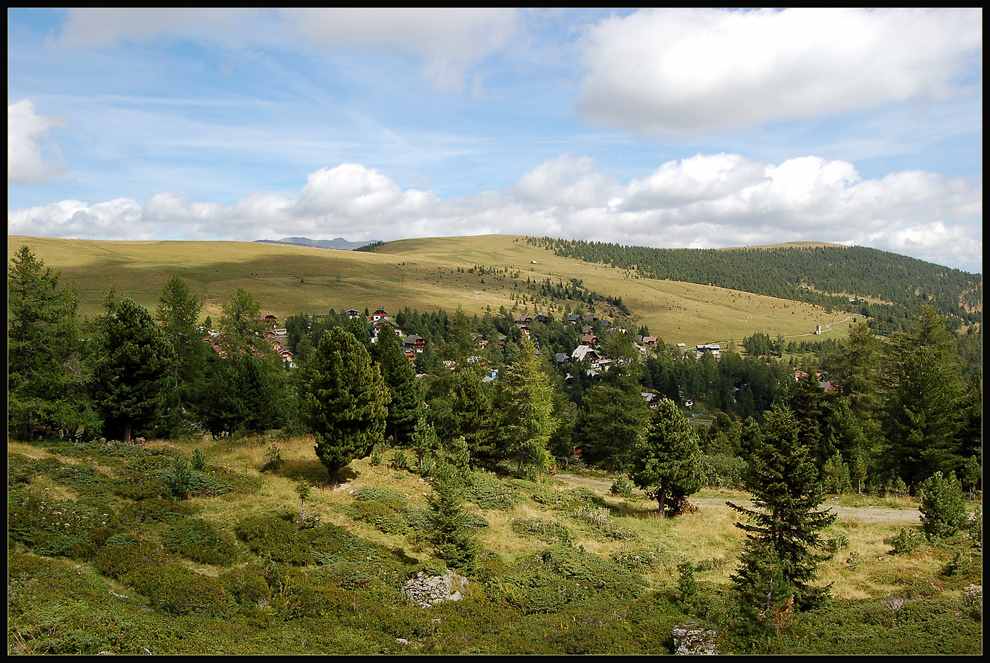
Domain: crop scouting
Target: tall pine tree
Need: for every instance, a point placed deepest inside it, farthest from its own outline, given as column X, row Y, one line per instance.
column 405, row 406
column 786, row 523
column 345, row 401
column 667, row 462
column 134, row 370
column 526, row 409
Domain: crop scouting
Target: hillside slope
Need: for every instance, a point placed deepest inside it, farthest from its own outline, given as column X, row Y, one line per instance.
column 422, row 274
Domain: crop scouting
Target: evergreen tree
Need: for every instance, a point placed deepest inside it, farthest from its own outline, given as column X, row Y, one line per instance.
column 786, row 492
column 405, row 406
column 943, row 508
column 135, row 367
column 241, row 319
column 177, row 314
column 920, row 422
column 449, row 531
column 345, row 401
column 667, row 462
column 473, row 418
column 526, row 407
column 47, row 374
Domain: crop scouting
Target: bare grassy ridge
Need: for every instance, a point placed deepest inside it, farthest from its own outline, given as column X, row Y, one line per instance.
column 422, row 274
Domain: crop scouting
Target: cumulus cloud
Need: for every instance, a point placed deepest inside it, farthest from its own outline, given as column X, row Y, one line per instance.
column 706, row 201
column 683, row 71
column 27, row 136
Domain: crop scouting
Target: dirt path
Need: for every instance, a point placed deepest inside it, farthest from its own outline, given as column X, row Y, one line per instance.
column 865, row 514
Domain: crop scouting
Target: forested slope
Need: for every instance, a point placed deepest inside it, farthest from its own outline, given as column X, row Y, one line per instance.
column 890, row 289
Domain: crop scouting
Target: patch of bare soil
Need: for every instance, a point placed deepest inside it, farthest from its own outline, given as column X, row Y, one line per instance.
column 865, row 514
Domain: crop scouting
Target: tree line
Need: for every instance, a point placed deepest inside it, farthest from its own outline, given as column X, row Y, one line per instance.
column 898, row 287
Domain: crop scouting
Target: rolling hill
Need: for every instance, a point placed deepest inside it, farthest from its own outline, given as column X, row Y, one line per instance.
column 475, row 273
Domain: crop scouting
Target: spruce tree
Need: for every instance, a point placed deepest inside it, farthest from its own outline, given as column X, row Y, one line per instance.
column 46, row 372
column 177, row 314
column 526, row 409
column 921, row 422
column 474, row 418
column 345, row 401
column 786, row 523
column 134, row 371
column 449, row 531
column 405, row 406
column 667, row 462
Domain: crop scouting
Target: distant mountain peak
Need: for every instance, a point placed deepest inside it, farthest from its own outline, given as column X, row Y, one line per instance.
column 339, row 243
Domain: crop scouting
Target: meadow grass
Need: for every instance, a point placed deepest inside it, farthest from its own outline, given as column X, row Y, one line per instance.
column 421, row 274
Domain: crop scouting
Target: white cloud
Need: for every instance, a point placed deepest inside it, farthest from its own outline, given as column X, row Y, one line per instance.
column 91, row 27
column 27, row 135
column 448, row 40
column 706, row 201
column 682, row 71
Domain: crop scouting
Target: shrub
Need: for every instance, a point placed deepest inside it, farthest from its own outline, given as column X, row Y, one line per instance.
column 543, row 530
column 723, row 470
column 906, row 541
column 274, row 538
column 274, row 460
column 399, row 460
column 179, row 480
column 201, row 541
column 155, row 509
column 973, row 601
column 122, row 555
column 488, row 492
column 381, row 515
column 178, row 591
column 621, row 487
column 976, row 526
column 198, row 461
column 836, row 475
column 54, row 528
column 836, row 543
column 943, row 507
column 600, row 519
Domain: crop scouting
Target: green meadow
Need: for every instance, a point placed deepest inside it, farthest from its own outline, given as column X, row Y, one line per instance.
column 421, row 274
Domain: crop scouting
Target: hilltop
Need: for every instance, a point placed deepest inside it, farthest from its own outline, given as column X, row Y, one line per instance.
column 421, row 274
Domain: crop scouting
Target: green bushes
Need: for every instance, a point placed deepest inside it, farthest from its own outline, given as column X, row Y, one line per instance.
column 544, row 530
column 201, row 541
column 52, row 527
column 907, row 540
column 122, row 555
column 175, row 590
column 383, row 508
column 488, row 492
column 943, row 507
column 621, row 487
column 722, row 470
column 274, row 538
column 600, row 520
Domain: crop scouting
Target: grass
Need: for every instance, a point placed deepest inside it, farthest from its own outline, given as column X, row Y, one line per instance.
column 422, row 274
column 56, row 615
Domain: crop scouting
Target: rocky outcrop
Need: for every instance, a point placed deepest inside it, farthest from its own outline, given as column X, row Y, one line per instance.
column 425, row 591
column 690, row 640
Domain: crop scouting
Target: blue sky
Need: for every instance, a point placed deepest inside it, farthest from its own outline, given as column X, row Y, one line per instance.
column 668, row 128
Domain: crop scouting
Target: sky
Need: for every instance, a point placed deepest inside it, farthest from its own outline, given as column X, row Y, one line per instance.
column 674, row 128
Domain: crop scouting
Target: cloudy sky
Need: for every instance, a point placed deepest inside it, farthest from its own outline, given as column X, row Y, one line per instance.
column 667, row 128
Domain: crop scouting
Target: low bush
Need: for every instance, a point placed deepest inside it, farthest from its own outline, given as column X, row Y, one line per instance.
column 600, row 520
column 155, row 510
column 274, row 538
column 201, row 541
column 122, row 555
column 58, row 528
column 621, row 487
column 907, row 540
column 544, row 530
column 175, row 590
column 489, row 492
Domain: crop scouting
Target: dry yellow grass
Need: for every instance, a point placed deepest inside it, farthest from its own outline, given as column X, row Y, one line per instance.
column 422, row 274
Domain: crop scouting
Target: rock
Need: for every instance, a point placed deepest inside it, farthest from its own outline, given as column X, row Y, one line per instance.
column 692, row 641
column 426, row 591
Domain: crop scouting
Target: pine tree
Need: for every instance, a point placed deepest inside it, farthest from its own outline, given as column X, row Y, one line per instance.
column 400, row 379
column 449, row 531
column 135, row 366
column 786, row 524
column 667, row 462
column 241, row 319
column 527, row 421
column 920, row 423
column 473, row 417
column 46, row 372
column 177, row 314
column 345, row 400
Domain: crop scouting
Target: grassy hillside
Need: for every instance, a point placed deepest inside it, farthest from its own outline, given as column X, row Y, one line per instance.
column 422, row 274
column 102, row 559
